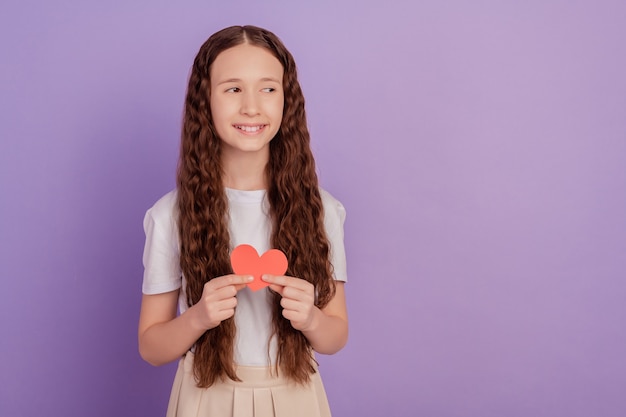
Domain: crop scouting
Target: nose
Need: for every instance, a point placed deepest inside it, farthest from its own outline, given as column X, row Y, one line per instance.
column 249, row 104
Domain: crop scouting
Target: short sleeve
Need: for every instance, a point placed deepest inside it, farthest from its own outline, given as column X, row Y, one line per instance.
column 334, row 218
column 161, row 251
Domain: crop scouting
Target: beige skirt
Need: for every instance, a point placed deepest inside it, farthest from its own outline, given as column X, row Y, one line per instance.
column 260, row 394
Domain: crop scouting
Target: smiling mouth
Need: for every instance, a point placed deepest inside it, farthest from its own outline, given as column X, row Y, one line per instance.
column 249, row 129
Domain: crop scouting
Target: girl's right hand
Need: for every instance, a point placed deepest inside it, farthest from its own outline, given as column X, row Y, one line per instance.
column 219, row 300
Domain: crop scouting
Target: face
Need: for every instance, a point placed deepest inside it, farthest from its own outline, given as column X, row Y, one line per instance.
column 246, row 99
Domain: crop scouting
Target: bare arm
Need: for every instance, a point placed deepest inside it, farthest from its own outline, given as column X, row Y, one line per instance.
column 328, row 332
column 165, row 337
column 326, row 329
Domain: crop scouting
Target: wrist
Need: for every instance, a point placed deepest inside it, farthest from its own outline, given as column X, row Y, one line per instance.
column 314, row 324
column 195, row 320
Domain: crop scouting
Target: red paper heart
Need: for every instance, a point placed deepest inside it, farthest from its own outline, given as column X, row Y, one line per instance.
column 246, row 261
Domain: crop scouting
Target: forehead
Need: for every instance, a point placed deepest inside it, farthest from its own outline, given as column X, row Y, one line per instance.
column 245, row 62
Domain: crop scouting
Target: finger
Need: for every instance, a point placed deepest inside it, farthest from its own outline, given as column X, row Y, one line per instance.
column 289, row 304
column 303, row 295
column 277, row 288
column 294, row 317
column 216, row 307
column 286, row 281
column 276, row 279
column 225, row 314
column 226, row 280
column 227, row 304
column 290, row 315
column 222, row 293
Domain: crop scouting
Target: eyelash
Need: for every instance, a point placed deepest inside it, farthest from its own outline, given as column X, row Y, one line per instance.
column 231, row 90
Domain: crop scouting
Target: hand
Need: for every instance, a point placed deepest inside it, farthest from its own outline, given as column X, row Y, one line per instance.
column 298, row 299
column 218, row 300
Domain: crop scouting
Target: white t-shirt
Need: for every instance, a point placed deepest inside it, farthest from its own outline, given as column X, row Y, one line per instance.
column 249, row 223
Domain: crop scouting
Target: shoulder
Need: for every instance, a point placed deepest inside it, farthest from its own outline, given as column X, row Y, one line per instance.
column 334, row 217
column 329, row 201
column 165, row 206
column 161, row 251
column 334, row 211
column 164, row 211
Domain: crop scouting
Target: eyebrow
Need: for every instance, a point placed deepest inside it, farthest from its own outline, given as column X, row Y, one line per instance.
column 238, row 80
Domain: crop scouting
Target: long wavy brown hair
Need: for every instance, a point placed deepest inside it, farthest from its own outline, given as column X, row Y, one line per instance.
column 296, row 209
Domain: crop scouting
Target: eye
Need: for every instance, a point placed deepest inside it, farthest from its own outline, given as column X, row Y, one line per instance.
column 233, row 90
column 268, row 90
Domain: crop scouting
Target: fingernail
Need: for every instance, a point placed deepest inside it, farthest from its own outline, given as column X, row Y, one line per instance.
column 249, row 278
column 265, row 277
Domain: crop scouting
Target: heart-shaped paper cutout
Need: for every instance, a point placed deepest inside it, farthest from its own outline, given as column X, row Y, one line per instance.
column 246, row 261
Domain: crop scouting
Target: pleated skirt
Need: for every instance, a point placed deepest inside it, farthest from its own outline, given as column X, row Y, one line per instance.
column 259, row 394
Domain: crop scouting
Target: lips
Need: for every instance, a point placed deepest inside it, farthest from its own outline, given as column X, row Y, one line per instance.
column 250, row 128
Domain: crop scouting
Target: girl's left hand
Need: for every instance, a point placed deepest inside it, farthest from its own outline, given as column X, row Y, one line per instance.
column 298, row 300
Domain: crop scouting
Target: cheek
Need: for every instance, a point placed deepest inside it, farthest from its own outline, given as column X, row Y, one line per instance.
column 219, row 112
column 278, row 110
column 282, row 105
column 214, row 106
column 278, row 116
column 220, row 121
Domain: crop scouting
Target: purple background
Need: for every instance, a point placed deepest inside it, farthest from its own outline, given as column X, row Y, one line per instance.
column 479, row 148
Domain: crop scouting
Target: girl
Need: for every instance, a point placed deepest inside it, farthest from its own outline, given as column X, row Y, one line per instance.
column 246, row 175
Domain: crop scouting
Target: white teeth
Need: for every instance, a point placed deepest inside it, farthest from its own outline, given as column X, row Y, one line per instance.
column 250, row 129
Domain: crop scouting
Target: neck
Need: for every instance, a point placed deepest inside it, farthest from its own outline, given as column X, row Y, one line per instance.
column 245, row 171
